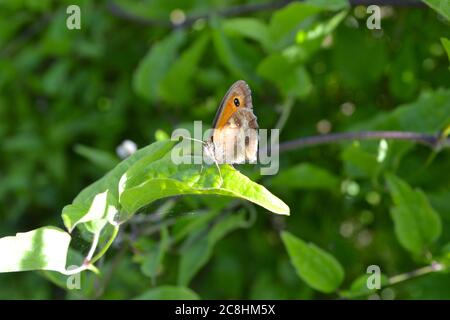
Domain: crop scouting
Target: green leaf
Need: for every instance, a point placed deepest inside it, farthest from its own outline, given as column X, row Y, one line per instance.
column 153, row 260
column 155, row 65
column 430, row 113
column 286, row 21
column 359, row 162
column 168, row 293
column 316, row 267
column 41, row 249
column 201, row 248
column 320, row 30
column 440, row 6
column 366, row 65
column 359, row 286
column 228, row 50
column 102, row 159
column 101, row 210
column 446, row 45
column 99, row 200
column 306, row 176
column 416, row 223
column 145, row 183
column 251, row 28
column 74, row 259
column 177, row 87
column 290, row 77
column 190, row 223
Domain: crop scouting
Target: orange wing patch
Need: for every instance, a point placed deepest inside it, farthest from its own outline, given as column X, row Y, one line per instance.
column 228, row 110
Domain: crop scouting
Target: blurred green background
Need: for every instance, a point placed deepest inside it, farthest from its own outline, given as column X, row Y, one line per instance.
column 138, row 70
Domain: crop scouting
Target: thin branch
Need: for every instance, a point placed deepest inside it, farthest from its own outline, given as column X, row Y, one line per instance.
column 433, row 141
column 119, row 12
column 238, row 10
column 433, row 267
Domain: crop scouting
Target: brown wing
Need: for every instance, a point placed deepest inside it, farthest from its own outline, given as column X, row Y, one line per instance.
column 237, row 97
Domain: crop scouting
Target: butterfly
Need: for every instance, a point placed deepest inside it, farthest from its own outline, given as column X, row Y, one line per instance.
column 234, row 137
column 235, row 129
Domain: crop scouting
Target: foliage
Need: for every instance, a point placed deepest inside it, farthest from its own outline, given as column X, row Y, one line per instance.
column 154, row 230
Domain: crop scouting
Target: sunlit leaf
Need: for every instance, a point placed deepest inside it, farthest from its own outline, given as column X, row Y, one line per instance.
column 41, row 249
column 105, row 190
column 163, row 178
column 288, row 20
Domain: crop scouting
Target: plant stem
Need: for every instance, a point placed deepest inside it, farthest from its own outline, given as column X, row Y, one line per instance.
column 93, row 246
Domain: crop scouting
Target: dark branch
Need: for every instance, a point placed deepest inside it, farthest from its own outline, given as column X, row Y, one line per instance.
column 119, row 12
column 238, row 10
column 433, row 141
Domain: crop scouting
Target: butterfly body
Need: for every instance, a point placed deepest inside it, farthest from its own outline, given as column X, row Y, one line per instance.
column 235, row 138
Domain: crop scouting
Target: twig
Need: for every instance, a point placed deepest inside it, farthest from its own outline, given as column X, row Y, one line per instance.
column 433, row 267
column 433, row 141
column 237, row 10
column 119, row 12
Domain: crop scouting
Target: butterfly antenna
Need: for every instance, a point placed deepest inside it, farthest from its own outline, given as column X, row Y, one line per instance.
column 215, row 161
column 193, row 139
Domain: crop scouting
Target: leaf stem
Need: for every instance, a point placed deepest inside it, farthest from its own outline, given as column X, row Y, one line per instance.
column 93, row 246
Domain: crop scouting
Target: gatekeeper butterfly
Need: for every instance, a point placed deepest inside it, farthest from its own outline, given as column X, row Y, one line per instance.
column 235, row 137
